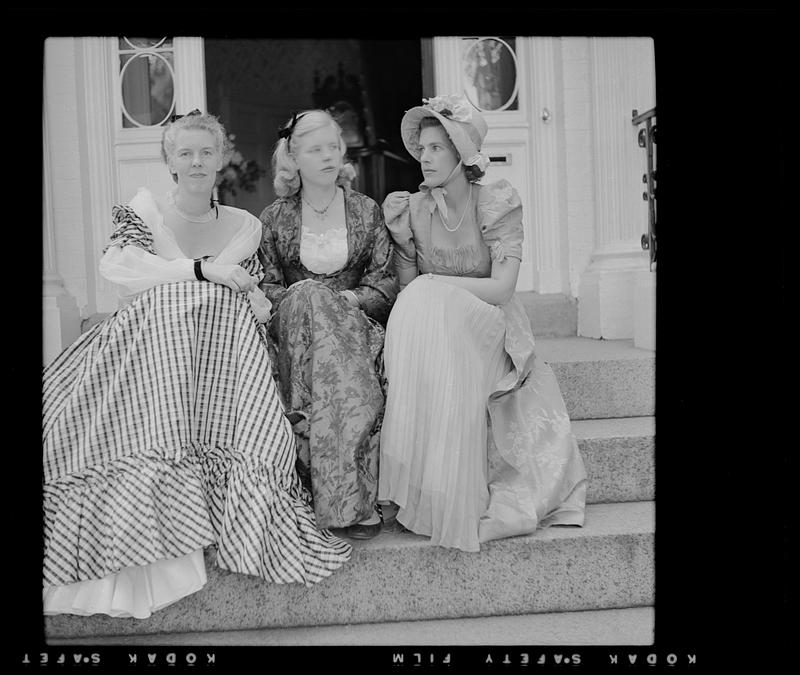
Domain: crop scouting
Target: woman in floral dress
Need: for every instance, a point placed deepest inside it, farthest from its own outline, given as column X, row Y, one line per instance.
column 163, row 433
column 328, row 259
column 476, row 442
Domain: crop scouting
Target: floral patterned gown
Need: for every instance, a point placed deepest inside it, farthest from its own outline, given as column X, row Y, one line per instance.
column 476, row 441
column 329, row 362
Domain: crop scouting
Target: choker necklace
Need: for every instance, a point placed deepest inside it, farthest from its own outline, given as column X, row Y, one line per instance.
column 208, row 216
column 322, row 214
column 463, row 213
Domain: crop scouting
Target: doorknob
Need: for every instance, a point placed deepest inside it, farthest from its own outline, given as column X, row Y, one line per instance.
column 545, row 115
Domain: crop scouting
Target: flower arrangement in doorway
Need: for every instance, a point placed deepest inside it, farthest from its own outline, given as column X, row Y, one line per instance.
column 237, row 174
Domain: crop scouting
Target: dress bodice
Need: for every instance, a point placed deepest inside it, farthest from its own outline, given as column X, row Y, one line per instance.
column 359, row 259
column 498, row 235
column 469, row 259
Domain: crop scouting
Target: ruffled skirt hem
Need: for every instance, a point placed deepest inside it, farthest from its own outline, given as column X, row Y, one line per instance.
column 134, row 592
column 258, row 517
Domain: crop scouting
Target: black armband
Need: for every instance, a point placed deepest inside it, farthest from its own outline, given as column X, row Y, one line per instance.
column 198, row 270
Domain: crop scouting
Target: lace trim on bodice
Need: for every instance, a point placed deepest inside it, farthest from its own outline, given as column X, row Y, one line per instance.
column 323, row 253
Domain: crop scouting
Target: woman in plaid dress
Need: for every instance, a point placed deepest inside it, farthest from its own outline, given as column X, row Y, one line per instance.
column 163, row 432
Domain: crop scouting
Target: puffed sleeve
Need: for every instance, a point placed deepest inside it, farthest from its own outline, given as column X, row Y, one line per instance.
column 500, row 219
column 129, row 260
column 272, row 283
column 398, row 221
column 377, row 289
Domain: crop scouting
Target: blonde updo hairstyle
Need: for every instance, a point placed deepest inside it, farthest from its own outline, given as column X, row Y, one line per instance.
column 287, row 181
column 473, row 173
column 203, row 121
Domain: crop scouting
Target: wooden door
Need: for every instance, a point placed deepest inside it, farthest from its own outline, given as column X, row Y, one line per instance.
column 513, row 81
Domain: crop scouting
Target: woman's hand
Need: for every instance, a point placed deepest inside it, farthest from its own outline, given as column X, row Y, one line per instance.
column 234, row 277
column 260, row 305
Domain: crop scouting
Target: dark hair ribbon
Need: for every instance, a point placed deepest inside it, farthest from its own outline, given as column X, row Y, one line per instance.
column 175, row 118
column 286, row 131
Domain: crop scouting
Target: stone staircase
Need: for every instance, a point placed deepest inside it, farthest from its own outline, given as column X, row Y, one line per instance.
column 596, row 583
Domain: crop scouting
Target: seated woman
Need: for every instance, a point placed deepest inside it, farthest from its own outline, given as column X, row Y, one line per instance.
column 330, row 277
column 476, row 442
column 163, row 433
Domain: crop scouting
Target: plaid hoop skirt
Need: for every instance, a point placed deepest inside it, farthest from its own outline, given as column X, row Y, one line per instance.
column 163, row 434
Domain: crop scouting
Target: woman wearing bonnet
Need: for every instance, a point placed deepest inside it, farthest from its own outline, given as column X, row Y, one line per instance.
column 163, row 432
column 329, row 275
column 476, row 441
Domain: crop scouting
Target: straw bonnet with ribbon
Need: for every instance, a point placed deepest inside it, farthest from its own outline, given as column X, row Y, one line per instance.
column 463, row 124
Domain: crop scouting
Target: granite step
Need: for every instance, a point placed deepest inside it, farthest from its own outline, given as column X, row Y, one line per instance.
column 551, row 314
column 619, row 455
column 602, row 378
column 630, row 626
column 607, row 564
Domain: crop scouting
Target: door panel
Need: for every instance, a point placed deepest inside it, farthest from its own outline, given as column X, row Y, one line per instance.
column 528, row 132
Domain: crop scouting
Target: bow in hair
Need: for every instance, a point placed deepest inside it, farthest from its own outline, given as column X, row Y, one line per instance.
column 286, row 132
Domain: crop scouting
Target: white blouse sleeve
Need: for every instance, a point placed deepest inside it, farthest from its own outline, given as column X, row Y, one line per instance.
column 130, row 260
column 135, row 270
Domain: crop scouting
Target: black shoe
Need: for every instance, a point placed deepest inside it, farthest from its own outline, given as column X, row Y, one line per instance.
column 361, row 531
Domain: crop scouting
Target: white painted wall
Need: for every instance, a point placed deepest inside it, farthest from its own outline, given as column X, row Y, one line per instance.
column 64, row 211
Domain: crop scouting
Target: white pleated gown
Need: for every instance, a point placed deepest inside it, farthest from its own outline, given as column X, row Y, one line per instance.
column 444, row 352
column 472, row 447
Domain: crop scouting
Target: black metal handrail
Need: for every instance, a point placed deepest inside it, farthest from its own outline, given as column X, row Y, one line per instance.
column 647, row 140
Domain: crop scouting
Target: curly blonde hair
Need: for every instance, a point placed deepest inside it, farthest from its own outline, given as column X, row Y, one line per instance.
column 205, row 122
column 287, row 181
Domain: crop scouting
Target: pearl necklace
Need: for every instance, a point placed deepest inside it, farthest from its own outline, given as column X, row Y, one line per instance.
column 463, row 213
column 204, row 218
column 322, row 214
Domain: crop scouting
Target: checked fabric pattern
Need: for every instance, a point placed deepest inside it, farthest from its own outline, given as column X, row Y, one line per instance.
column 163, row 433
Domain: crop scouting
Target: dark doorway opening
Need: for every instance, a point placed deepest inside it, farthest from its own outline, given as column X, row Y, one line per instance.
column 254, row 85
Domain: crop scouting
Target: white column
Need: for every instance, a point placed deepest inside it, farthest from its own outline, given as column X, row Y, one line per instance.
column 447, row 66
column 97, row 69
column 578, row 156
column 547, row 214
column 190, row 69
column 60, row 317
column 622, row 80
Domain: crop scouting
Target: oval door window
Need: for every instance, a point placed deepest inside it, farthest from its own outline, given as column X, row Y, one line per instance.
column 147, row 81
column 489, row 73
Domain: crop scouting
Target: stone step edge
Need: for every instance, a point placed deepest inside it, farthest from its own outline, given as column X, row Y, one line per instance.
column 583, row 349
column 605, row 564
column 628, row 626
column 611, row 428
